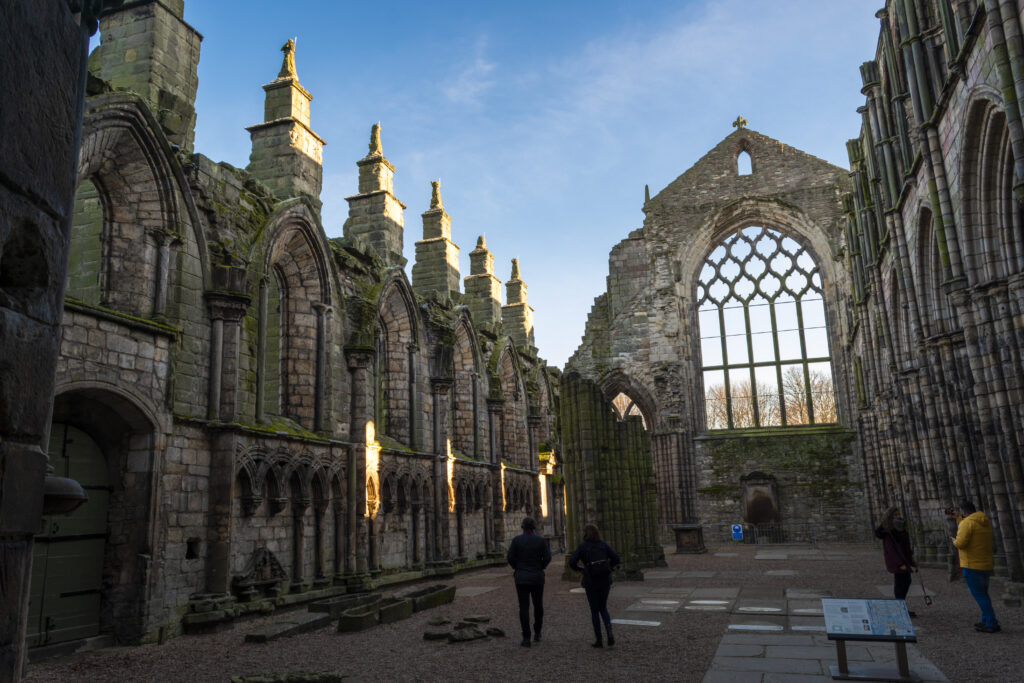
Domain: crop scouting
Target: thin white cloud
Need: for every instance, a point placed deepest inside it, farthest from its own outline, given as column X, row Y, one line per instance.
column 469, row 85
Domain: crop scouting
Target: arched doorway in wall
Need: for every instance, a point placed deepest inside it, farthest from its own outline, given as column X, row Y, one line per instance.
column 67, row 558
column 88, row 577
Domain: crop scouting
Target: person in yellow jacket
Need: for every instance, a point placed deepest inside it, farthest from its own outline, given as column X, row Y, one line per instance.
column 974, row 541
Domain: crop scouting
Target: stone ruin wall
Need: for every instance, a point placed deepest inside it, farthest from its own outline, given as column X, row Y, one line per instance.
column 180, row 267
column 641, row 336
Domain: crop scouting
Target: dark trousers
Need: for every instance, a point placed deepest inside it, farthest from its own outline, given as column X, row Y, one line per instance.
column 526, row 592
column 597, row 598
column 901, row 585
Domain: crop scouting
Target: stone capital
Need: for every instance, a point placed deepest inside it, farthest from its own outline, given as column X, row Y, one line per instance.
column 441, row 385
column 227, row 306
column 359, row 357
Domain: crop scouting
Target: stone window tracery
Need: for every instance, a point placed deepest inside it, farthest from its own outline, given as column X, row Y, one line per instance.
column 763, row 336
column 624, row 407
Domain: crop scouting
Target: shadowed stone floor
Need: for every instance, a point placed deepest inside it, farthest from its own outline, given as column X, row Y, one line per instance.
column 739, row 613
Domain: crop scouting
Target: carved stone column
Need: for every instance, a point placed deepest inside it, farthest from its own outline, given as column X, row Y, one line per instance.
column 360, row 360
column 299, row 507
column 323, row 313
column 441, row 390
column 227, row 308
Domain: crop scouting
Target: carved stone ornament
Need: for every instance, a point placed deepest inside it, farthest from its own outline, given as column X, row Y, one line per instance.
column 250, row 504
column 262, row 574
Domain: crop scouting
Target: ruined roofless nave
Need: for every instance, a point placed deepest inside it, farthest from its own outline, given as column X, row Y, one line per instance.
column 261, row 415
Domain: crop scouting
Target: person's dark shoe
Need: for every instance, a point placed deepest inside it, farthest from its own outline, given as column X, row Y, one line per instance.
column 988, row 629
column 536, row 637
column 611, row 641
column 912, row 614
column 597, row 643
column 525, row 643
column 980, row 624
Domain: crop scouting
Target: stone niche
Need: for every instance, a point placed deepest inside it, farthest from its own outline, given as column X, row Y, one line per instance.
column 759, row 498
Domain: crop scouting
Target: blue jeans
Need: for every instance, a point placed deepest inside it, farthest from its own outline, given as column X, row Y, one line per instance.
column 977, row 584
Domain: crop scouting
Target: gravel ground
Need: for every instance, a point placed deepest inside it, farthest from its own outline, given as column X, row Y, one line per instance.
column 680, row 650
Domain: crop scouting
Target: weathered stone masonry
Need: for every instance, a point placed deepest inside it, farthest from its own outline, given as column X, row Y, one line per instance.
column 936, row 257
column 269, row 415
column 642, row 341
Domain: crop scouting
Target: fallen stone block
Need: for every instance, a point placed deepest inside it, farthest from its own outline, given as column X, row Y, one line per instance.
column 463, row 635
column 432, row 596
column 336, row 606
column 477, row 619
column 301, row 624
column 394, row 609
column 495, row 632
column 439, row 621
column 436, row 635
column 358, row 618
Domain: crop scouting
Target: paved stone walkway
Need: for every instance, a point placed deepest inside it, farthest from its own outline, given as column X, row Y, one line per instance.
column 774, row 635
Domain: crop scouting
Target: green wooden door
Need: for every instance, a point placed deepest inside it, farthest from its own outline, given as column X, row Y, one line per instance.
column 67, row 562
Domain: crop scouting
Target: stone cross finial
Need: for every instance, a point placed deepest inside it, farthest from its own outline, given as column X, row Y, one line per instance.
column 740, row 122
column 375, row 139
column 288, row 64
column 515, row 269
column 435, row 195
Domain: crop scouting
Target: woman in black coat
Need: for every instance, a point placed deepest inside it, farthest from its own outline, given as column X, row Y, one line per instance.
column 598, row 559
column 897, row 551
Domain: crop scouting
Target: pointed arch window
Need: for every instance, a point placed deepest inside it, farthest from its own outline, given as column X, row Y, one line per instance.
column 763, row 336
column 624, row 407
column 744, row 163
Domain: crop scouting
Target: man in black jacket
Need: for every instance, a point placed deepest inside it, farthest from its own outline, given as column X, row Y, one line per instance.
column 528, row 555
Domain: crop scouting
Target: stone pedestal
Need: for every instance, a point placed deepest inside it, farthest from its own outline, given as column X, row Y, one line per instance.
column 689, row 538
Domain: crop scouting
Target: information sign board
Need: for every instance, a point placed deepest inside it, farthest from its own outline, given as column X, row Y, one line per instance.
column 885, row 620
column 737, row 532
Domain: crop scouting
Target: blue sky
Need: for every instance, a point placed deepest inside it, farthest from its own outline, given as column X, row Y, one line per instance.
column 543, row 120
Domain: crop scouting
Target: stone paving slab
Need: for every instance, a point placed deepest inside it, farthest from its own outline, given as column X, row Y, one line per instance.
column 659, row 575
column 697, row 575
column 804, row 607
column 771, row 556
column 854, row 653
column 757, row 622
column 761, row 592
column 807, row 593
column 680, row 592
column 720, row 593
column 726, row 554
column 732, row 677
column 781, row 572
column 651, row 605
column 807, row 624
column 795, row 678
column 768, row 639
column 470, row 591
column 765, row 665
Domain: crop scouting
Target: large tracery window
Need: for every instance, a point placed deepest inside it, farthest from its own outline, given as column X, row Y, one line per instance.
column 764, row 345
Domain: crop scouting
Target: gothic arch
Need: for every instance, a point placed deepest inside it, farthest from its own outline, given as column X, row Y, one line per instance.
column 469, row 429
column 397, row 337
column 134, row 168
column 293, row 301
column 618, row 382
column 515, row 435
column 989, row 235
column 937, row 313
